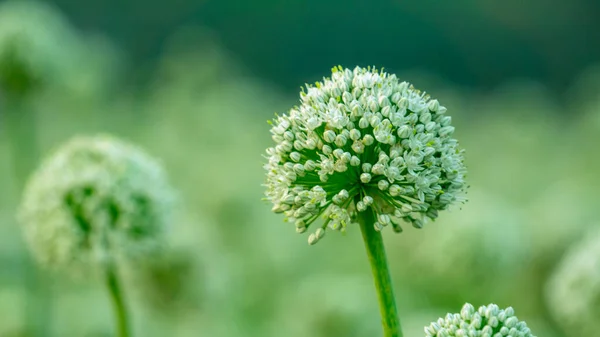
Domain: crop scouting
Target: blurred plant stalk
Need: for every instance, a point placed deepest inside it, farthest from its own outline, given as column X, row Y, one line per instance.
column 116, row 294
column 19, row 125
column 381, row 275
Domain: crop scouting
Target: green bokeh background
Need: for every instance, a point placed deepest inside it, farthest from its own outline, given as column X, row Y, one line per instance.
column 193, row 82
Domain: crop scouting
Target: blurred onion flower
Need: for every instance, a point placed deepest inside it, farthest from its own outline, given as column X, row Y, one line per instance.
column 95, row 199
column 487, row 321
column 573, row 290
column 362, row 141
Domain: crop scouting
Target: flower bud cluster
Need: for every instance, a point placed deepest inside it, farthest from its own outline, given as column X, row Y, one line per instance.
column 362, row 141
column 487, row 321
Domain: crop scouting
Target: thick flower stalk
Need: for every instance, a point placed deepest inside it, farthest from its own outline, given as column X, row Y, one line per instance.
column 93, row 203
column 487, row 321
column 362, row 141
column 573, row 290
column 363, row 147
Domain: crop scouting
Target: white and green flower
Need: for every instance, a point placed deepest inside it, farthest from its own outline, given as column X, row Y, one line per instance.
column 95, row 198
column 363, row 141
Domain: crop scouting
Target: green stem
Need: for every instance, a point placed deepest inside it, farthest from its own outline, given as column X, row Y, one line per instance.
column 18, row 121
column 112, row 281
column 381, row 275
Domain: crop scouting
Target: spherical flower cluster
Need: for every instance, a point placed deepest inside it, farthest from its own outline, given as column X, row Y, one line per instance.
column 573, row 290
column 487, row 321
column 362, row 141
column 94, row 200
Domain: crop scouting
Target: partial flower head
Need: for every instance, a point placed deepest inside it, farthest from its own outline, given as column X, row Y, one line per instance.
column 95, row 198
column 487, row 321
column 573, row 291
column 363, row 141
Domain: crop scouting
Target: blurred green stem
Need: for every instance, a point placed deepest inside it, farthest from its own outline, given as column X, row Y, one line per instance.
column 381, row 275
column 20, row 129
column 116, row 294
column 20, row 126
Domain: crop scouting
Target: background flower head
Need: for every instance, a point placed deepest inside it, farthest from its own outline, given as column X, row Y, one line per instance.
column 573, row 290
column 95, row 198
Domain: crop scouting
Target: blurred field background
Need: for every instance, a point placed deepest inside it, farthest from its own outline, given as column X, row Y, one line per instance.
column 195, row 82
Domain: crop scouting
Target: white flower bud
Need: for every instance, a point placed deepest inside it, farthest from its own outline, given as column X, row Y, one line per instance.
column 373, row 105
column 383, row 185
column 365, row 178
column 430, row 126
column 385, row 111
column 445, row 120
column 311, row 144
column 384, row 219
column 374, row 121
column 404, row 131
column 358, row 147
column 310, row 165
column 403, row 103
column 384, row 101
column 354, row 134
column 298, row 145
column 378, row 169
column 446, row 131
column 320, row 233
column 357, row 110
column 299, row 169
column 347, row 97
column 329, row 136
column 433, row 105
column 341, row 140
column 295, row 156
column 363, row 123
